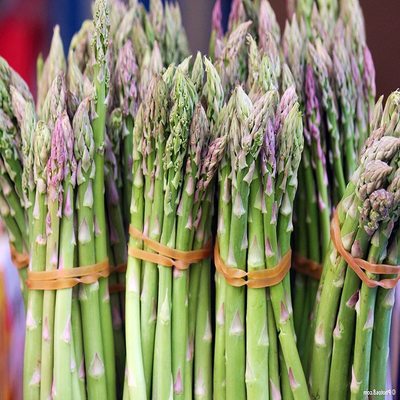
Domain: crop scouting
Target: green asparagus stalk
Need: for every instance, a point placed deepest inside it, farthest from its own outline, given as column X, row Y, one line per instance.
column 183, row 96
column 55, row 175
column 76, row 323
column 101, row 81
column 89, row 295
column 322, row 63
column 33, row 341
column 135, row 374
column 63, row 333
column 127, row 77
column 223, row 232
column 154, row 138
column 257, row 342
column 202, row 346
column 382, row 321
column 118, row 254
column 239, row 148
column 199, row 131
column 54, row 65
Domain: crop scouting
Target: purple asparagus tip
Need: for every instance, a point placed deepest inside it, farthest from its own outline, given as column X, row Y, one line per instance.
column 369, row 72
column 127, row 76
column 217, row 19
column 268, row 153
column 56, row 164
column 312, row 106
column 288, row 99
column 236, row 12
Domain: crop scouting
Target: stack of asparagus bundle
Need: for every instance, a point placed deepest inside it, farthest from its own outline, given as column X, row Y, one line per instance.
column 335, row 77
column 351, row 341
column 176, row 154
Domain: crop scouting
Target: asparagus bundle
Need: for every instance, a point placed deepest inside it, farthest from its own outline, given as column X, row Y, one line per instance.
column 367, row 221
column 335, row 77
column 255, row 209
column 174, row 160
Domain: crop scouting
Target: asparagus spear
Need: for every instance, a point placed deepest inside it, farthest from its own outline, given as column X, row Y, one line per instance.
column 322, row 64
column 184, row 96
column 203, row 335
column 55, row 176
column 216, row 30
column 288, row 160
column 135, row 374
column 187, row 214
column 239, row 148
column 118, row 253
column 54, row 65
column 32, row 355
column 382, row 322
column 154, row 141
column 126, row 75
column 257, row 342
column 89, row 295
column 101, row 81
column 63, row 334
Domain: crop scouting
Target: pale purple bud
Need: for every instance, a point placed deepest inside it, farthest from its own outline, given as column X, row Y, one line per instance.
column 217, row 19
column 268, row 151
column 236, row 13
column 369, row 73
column 126, row 75
column 58, row 156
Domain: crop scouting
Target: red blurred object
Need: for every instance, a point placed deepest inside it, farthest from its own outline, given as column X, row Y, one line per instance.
column 23, row 35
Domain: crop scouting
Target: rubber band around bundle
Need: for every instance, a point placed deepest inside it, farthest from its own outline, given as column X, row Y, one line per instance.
column 19, row 260
column 255, row 279
column 67, row 278
column 164, row 255
column 307, row 267
column 359, row 266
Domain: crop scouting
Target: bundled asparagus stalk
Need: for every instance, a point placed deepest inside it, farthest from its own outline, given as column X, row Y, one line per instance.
column 367, row 217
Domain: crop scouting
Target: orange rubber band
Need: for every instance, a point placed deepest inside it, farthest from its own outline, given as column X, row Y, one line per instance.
column 67, row 278
column 164, row 255
column 359, row 266
column 19, row 260
column 307, row 267
column 255, row 279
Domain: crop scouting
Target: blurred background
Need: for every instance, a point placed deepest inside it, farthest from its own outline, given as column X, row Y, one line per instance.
column 26, row 28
